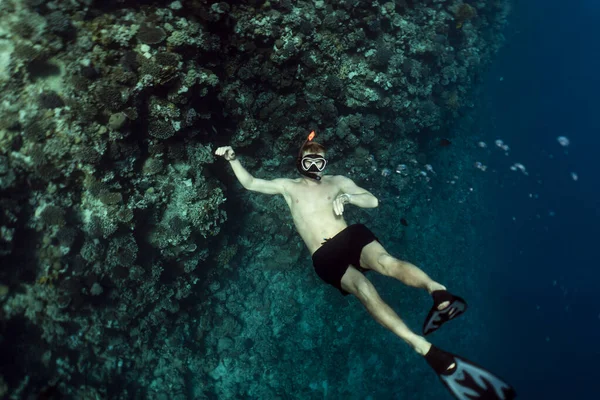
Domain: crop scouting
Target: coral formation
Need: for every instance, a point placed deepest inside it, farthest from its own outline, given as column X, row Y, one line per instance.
column 132, row 266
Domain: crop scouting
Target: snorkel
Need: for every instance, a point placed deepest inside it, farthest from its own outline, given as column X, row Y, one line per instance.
column 308, row 174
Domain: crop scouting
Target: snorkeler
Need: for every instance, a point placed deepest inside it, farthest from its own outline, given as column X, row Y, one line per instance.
column 341, row 254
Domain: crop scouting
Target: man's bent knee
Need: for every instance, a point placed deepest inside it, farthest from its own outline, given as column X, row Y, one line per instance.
column 356, row 283
column 388, row 265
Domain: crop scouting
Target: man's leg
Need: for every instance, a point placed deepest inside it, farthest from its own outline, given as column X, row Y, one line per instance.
column 411, row 275
column 407, row 273
column 374, row 256
column 357, row 284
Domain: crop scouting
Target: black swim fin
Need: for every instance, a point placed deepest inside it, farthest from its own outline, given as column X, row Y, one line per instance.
column 436, row 318
column 466, row 380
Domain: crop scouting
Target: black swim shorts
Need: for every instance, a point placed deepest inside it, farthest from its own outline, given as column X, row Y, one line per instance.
column 332, row 259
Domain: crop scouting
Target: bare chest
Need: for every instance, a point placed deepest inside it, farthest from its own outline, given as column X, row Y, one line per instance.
column 311, row 207
column 314, row 198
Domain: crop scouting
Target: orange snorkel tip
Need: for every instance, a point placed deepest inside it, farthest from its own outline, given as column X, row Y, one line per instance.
column 311, row 136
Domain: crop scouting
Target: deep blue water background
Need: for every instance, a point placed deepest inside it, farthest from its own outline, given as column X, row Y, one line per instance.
column 551, row 87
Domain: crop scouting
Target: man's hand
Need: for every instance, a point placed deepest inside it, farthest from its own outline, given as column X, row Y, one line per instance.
column 338, row 203
column 227, row 153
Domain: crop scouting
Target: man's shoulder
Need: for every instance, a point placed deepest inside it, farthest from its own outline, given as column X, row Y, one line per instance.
column 339, row 178
column 287, row 183
column 330, row 178
column 299, row 180
column 288, row 180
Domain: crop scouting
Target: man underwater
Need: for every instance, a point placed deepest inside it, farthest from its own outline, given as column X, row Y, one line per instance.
column 342, row 253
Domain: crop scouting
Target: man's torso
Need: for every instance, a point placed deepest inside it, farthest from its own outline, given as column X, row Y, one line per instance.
column 312, row 209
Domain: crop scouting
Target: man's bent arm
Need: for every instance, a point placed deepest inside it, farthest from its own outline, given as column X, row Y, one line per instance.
column 240, row 172
column 364, row 200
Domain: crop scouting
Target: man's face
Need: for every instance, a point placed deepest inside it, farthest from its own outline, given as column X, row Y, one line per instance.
column 314, row 163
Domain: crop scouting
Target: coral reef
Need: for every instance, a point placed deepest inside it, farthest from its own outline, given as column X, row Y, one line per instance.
column 133, row 266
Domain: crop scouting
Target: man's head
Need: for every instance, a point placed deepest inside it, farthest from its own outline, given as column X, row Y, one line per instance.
column 313, row 148
column 311, row 160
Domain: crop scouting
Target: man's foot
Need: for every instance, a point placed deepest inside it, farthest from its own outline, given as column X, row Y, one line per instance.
column 421, row 345
column 436, row 286
column 454, row 370
column 446, row 306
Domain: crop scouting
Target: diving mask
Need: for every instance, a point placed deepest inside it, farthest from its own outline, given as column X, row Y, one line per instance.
column 313, row 163
column 310, row 164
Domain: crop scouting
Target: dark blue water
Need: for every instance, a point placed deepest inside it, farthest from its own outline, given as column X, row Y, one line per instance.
column 544, row 304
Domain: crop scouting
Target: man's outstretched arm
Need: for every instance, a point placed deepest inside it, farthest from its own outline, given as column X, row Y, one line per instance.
column 240, row 172
column 275, row 186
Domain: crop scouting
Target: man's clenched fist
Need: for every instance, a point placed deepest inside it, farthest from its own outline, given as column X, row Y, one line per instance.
column 226, row 152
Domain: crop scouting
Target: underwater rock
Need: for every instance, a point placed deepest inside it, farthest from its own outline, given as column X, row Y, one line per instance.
column 151, row 34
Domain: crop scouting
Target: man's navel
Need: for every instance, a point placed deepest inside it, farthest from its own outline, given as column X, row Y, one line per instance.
column 328, row 197
column 297, row 201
